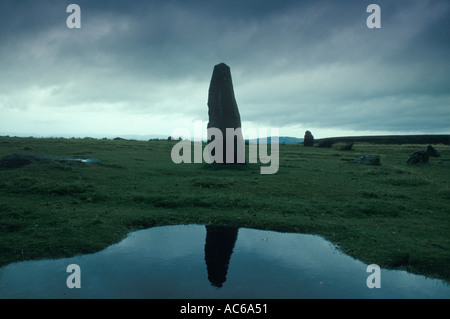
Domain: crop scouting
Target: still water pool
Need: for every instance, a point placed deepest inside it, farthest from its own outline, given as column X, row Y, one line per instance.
column 197, row 261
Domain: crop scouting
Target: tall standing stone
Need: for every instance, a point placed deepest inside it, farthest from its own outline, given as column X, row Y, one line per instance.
column 224, row 113
column 308, row 139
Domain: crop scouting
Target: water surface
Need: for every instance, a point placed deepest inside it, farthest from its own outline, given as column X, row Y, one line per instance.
column 194, row 261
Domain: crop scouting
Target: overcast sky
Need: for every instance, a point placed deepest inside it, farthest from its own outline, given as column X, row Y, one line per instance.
column 144, row 67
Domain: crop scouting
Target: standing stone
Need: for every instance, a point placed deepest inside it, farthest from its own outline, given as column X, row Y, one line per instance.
column 224, row 113
column 308, row 139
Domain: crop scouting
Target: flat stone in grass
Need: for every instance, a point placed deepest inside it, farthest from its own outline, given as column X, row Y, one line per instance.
column 19, row 160
column 367, row 160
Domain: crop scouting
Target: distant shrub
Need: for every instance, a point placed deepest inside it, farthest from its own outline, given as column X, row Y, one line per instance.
column 341, row 146
column 326, row 143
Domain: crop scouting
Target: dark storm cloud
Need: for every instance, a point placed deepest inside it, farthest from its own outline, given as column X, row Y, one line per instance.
column 293, row 62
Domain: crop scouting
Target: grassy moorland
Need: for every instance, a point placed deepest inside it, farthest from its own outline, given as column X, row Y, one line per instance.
column 393, row 215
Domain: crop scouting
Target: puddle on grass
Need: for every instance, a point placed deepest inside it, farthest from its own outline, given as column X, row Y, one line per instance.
column 197, row 261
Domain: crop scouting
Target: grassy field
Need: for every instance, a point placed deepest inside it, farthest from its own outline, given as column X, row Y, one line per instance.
column 393, row 215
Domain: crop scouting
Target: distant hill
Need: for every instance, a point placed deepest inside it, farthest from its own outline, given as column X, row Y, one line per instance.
column 281, row 140
column 143, row 137
column 380, row 139
column 391, row 139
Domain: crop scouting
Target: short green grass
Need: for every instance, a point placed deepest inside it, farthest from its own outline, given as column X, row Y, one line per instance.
column 393, row 215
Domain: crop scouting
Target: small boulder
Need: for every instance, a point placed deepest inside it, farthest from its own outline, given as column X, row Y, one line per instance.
column 432, row 151
column 420, row 157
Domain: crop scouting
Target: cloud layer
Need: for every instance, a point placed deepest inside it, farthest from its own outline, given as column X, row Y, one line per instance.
column 143, row 67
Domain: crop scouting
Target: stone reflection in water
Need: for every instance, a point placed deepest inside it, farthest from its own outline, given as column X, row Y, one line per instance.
column 219, row 246
column 169, row 263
